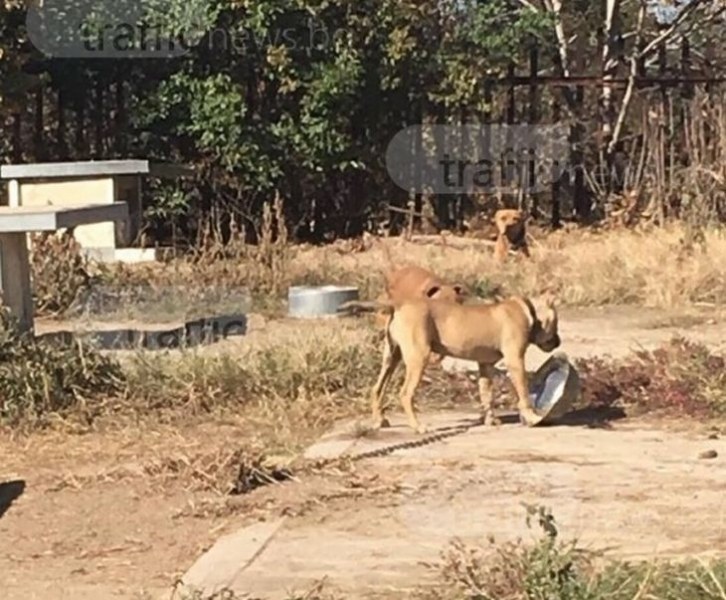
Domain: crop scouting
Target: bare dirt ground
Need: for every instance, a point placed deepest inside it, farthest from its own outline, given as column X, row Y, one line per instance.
column 637, row 491
column 108, row 515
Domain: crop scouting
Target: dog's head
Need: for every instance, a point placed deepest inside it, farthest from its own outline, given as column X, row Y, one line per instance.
column 453, row 293
column 510, row 222
column 508, row 218
column 544, row 333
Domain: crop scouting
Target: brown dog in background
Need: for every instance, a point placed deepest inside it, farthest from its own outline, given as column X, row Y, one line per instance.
column 511, row 233
column 485, row 333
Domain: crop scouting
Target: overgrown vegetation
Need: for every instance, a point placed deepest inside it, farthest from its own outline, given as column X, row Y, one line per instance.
column 307, row 367
column 681, row 377
column 290, row 387
column 235, row 276
column 551, row 569
column 304, row 97
column 60, row 272
column 40, row 379
column 300, row 379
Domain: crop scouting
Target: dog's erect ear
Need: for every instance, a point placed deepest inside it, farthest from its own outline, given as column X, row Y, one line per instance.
column 432, row 291
column 549, row 298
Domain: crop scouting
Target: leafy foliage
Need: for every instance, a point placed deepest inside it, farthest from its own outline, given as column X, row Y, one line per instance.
column 302, row 97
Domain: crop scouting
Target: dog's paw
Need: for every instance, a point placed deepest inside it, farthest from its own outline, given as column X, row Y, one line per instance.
column 381, row 423
column 421, row 429
column 490, row 420
column 528, row 418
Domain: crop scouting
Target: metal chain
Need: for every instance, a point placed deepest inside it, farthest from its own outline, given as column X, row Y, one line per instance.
column 386, row 450
column 424, row 441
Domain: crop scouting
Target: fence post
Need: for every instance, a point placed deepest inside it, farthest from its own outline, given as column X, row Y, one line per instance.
column 556, row 184
column 687, row 93
column 533, row 120
column 510, row 116
column 80, row 150
column 17, row 137
column 663, row 153
column 487, row 117
column 98, row 118
column 581, row 200
column 120, row 124
column 38, row 141
column 61, row 127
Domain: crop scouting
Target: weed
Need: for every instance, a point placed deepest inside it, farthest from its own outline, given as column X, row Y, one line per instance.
column 553, row 570
column 60, row 272
column 262, row 268
column 39, row 378
column 302, row 369
column 316, row 591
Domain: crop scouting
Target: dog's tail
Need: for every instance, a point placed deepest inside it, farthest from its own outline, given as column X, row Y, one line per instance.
column 356, row 306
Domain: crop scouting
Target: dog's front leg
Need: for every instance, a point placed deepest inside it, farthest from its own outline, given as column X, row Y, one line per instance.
column 518, row 376
column 486, row 393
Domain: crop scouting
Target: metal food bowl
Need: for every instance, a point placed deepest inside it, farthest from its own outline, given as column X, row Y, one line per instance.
column 554, row 388
column 310, row 302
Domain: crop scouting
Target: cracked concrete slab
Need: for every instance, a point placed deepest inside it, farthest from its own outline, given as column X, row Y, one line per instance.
column 621, row 489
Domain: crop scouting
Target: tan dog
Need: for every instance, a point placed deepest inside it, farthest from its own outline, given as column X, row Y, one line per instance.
column 412, row 282
column 416, row 283
column 485, row 333
column 511, row 233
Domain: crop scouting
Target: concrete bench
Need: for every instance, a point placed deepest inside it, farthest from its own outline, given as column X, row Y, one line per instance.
column 15, row 225
column 92, row 182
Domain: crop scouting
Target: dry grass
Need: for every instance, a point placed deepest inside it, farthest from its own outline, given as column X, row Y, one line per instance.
column 657, row 268
column 318, row 591
column 270, row 398
column 654, row 268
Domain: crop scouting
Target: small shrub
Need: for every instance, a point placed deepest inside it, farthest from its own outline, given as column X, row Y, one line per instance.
column 60, row 272
column 553, row 570
column 680, row 376
column 39, row 378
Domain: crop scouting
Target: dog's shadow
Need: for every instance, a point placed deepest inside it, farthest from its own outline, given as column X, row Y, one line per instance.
column 592, row 417
column 10, row 491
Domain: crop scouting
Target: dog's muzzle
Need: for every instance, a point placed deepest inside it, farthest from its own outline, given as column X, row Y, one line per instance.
column 550, row 344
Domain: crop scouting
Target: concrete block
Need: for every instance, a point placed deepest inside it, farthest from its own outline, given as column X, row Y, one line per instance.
column 217, row 568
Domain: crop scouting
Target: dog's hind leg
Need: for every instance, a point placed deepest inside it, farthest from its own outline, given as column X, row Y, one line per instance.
column 415, row 366
column 486, row 393
column 391, row 359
